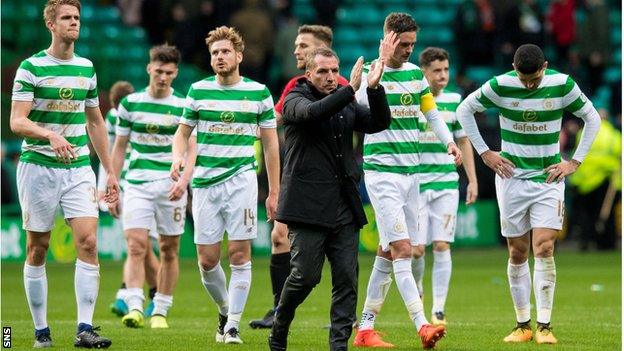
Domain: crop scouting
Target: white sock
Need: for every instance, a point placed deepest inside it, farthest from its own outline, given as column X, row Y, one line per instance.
column 441, row 276
column 240, row 281
column 520, row 285
column 86, row 285
column 409, row 292
column 134, row 299
column 418, row 268
column 376, row 292
column 544, row 277
column 121, row 294
column 162, row 303
column 214, row 282
column 36, row 287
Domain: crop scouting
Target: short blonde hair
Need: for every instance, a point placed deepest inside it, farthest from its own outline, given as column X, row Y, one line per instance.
column 322, row 33
column 226, row 33
column 49, row 11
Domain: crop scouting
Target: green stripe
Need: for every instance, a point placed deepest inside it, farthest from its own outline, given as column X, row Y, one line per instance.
column 532, row 116
column 404, row 99
column 228, row 116
column 154, row 129
column 74, row 140
column 452, row 126
column 432, row 147
column 124, row 122
column 150, row 149
column 529, row 139
column 26, row 86
column 484, row 100
column 92, row 94
column 52, row 162
column 205, row 182
column 148, row 107
column 575, row 105
column 391, row 148
column 61, row 70
column 408, row 123
column 57, row 117
column 402, row 76
column 439, row 186
column 55, row 93
column 447, row 106
column 556, row 91
column 391, row 169
column 150, row 164
column 227, row 94
column 223, row 162
column 266, row 115
column 191, row 114
column 436, row 168
column 532, row 162
column 225, row 139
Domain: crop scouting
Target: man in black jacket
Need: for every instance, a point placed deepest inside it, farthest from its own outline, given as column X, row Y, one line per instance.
column 319, row 199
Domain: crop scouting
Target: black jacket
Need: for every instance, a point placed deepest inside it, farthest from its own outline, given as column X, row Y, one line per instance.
column 319, row 165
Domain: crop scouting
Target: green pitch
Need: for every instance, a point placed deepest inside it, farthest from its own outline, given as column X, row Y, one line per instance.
column 587, row 313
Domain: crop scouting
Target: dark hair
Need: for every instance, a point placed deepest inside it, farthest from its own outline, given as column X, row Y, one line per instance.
column 326, row 52
column 165, row 53
column 528, row 59
column 118, row 91
column 431, row 54
column 400, row 22
column 322, row 33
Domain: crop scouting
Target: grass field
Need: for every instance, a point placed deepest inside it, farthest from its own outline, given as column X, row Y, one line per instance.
column 479, row 307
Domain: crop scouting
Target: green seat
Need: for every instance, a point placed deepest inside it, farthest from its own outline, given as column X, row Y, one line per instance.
column 346, row 35
column 480, row 74
column 613, row 74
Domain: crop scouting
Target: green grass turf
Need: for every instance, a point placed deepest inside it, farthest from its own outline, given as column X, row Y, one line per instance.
column 479, row 307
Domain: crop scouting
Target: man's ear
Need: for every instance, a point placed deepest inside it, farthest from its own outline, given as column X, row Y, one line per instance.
column 545, row 65
column 308, row 74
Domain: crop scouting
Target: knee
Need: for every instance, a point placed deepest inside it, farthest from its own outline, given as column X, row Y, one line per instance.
column 304, row 277
column 544, row 248
column 279, row 237
column 401, row 249
column 418, row 251
column 441, row 246
column 87, row 244
column 136, row 248
column 518, row 254
column 36, row 252
column 208, row 263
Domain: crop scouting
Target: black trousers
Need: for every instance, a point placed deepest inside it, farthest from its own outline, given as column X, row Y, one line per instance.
column 309, row 246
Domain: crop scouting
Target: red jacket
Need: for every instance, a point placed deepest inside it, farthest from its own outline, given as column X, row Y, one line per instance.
column 561, row 20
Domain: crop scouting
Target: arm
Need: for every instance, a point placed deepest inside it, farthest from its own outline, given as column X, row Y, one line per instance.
column 299, row 109
column 179, row 149
column 178, row 189
column 270, row 146
column 24, row 127
column 465, row 115
column 99, row 139
column 378, row 118
column 469, row 167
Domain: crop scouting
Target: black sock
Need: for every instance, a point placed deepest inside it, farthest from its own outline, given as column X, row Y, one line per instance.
column 543, row 325
column 152, row 293
column 524, row 325
column 280, row 269
column 123, row 285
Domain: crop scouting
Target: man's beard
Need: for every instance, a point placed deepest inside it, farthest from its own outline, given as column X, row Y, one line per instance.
column 226, row 71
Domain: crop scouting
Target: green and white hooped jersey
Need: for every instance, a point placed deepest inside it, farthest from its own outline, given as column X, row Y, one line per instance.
column 111, row 123
column 151, row 124
column 59, row 91
column 437, row 169
column 530, row 120
column 227, row 120
column 396, row 148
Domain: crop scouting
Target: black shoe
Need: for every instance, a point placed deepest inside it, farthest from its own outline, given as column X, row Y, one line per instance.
column 265, row 323
column 277, row 344
column 232, row 336
column 91, row 340
column 220, row 332
column 43, row 339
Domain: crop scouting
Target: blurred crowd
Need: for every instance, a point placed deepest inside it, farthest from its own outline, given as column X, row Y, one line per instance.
column 487, row 32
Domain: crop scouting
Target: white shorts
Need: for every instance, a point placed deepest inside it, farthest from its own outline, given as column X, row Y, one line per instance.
column 525, row 204
column 230, row 206
column 153, row 232
column 395, row 200
column 42, row 189
column 146, row 202
column 437, row 216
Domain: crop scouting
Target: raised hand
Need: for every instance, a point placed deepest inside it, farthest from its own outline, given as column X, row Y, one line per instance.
column 375, row 73
column 388, row 45
column 356, row 74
